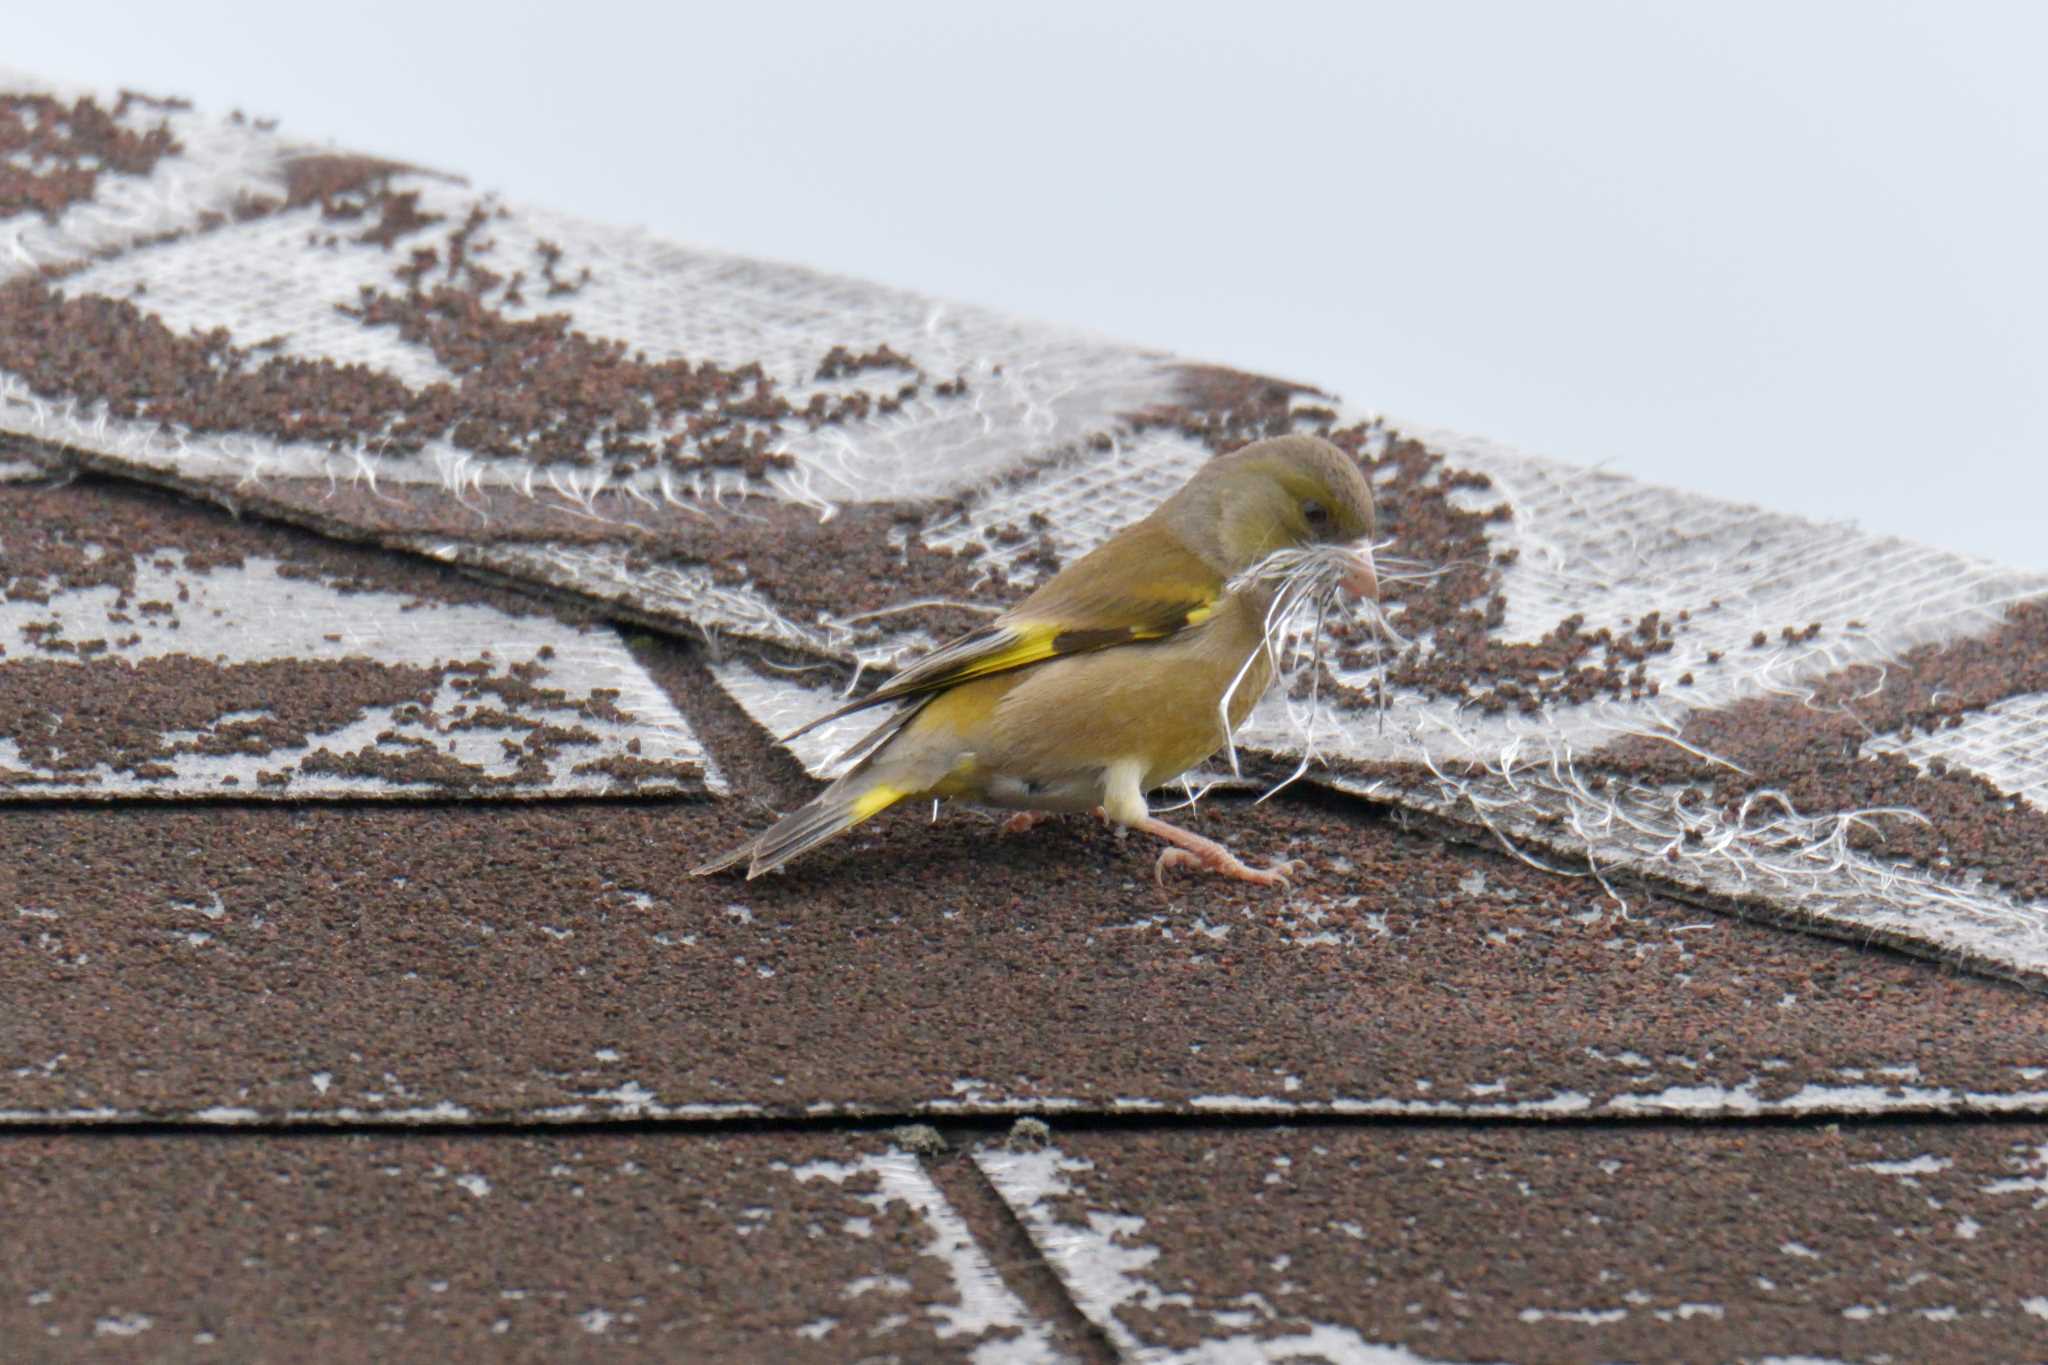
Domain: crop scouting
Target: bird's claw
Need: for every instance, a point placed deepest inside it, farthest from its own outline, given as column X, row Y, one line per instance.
column 1224, row 864
column 1290, row 868
column 1020, row 822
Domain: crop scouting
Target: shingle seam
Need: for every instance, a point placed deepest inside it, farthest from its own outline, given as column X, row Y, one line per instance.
column 961, row 1129
column 1015, row 1255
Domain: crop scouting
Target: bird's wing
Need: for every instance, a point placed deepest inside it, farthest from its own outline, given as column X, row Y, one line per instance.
column 1141, row 585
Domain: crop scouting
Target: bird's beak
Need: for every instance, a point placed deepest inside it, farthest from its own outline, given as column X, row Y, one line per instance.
column 1360, row 579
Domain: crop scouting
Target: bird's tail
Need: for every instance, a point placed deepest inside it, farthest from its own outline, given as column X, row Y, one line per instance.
column 832, row 812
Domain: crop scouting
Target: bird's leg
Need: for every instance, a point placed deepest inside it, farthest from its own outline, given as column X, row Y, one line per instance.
column 1192, row 850
column 1021, row 821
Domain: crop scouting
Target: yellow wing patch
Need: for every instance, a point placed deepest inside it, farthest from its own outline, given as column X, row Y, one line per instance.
column 1001, row 649
column 1008, row 645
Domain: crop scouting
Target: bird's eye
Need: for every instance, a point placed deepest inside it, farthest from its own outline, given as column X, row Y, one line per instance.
column 1317, row 514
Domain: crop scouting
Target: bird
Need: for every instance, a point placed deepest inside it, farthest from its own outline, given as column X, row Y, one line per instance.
column 1127, row 668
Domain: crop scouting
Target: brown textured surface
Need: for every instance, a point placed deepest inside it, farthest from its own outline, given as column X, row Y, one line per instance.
column 263, row 974
column 378, row 966
column 533, row 388
column 89, row 533
column 1812, row 749
column 486, row 957
column 53, row 153
column 1450, row 609
column 464, row 1247
column 1682, row 1244
column 149, row 691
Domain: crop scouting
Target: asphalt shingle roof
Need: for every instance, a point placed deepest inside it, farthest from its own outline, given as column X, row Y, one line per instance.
column 400, row 591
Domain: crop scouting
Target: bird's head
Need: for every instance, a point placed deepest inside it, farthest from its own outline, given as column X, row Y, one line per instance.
column 1284, row 493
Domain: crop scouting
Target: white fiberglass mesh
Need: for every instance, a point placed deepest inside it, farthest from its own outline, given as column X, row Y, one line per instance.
column 260, row 282
column 1792, row 866
column 222, row 161
column 1031, row 388
column 1076, row 503
column 280, row 280
column 2006, row 744
column 260, row 611
column 1042, row 443
column 1614, row 550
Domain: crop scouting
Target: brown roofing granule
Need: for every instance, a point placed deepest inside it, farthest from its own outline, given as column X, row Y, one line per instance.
column 550, row 273
column 1225, row 408
column 842, row 361
column 480, row 952
column 52, row 154
column 535, row 389
column 89, row 533
column 765, row 773
column 1452, row 614
column 847, row 565
column 1649, row 1242
column 333, row 178
column 1814, row 752
column 629, row 771
column 67, row 718
column 506, row 1247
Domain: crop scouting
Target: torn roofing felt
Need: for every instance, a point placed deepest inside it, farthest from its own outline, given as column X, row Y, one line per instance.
column 1829, row 728
column 151, row 648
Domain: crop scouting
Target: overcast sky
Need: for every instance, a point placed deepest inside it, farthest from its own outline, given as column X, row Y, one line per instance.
column 1788, row 253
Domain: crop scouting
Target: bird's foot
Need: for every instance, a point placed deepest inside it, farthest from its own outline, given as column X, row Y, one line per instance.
column 1192, row 850
column 1021, row 822
column 1230, row 865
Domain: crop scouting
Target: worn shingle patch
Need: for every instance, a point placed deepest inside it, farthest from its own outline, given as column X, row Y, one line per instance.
column 158, row 650
column 53, row 151
column 1612, row 677
column 1907, row 1242
column 765, row 1247
column 712, row 444
column 380, row 350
